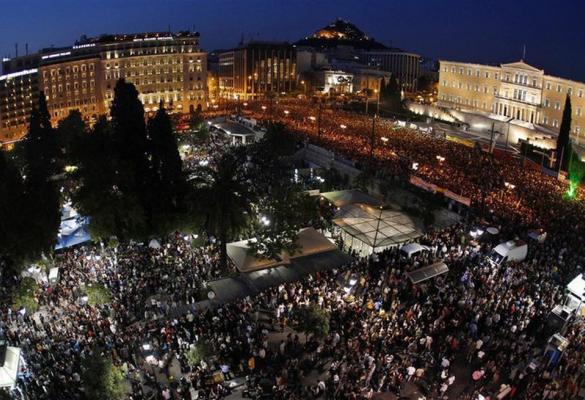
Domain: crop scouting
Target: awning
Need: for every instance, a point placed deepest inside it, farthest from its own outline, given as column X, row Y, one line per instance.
column 428, row 272
column 309, row 241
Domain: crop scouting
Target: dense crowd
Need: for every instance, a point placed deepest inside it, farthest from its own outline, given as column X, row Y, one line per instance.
column 477, row 331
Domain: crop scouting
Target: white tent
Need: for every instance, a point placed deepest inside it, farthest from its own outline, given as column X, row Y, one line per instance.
column 154, row 244
column 9, row 369
column 367, row 229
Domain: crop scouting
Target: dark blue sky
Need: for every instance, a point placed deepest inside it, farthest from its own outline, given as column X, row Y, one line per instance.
column 490, row 31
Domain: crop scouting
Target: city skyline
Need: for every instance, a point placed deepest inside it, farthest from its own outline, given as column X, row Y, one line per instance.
column 434, row 29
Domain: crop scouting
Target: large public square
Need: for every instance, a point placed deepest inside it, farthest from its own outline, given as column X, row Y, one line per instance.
column 179, row 224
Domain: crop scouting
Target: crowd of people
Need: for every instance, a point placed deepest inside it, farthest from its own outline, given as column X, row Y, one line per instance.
column 477, row 331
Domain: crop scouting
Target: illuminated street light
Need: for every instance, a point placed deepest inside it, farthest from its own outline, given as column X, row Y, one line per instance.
column 343, row 126
column 312, row 118
column 245, row 104
column 415, row 166
column 509, row 185
column 384, row 139
column 265, row 221
column 286, row 112
column 440, row 158
column 263, row 108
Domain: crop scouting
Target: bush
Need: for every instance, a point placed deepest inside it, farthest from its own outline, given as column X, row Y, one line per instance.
column 98, row 295
column 24, row 295
column 102, row 380
column 197, row 352
column 312, row 319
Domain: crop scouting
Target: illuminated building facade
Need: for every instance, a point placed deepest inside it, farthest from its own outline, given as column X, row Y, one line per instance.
column 257, row 68
column 164, row 67
column 18, row 93
column 516, row 90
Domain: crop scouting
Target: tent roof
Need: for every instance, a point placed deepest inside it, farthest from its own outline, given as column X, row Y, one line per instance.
column 377, row 227
column 342, row 198
column 249, row 284
column 428, row 272
column 309, row 241
column 9, row 371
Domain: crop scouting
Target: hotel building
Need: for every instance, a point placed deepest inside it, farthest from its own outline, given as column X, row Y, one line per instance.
column 164, row 67
column 517, row 91
column 256, row 68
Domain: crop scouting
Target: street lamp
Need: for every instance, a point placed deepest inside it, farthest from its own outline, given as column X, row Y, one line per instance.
column 343, row 126
column 286, row 112
column 384, row 139
column 440, row 158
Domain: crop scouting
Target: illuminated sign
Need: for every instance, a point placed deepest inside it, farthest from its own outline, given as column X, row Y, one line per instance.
column 54, row 55
column 19, row 73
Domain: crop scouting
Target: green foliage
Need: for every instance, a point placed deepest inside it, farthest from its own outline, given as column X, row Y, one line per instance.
column 223, row 196
column 287, row 208
column 71, row 133
column 98, row 295
column 102, row 380
column 564, row 136
column 24, row 295
column 197, row 352
column 196, row 121
column 311, row 319
column 279, row 141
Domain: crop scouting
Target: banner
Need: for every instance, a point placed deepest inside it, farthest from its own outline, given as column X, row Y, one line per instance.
column 431, row 187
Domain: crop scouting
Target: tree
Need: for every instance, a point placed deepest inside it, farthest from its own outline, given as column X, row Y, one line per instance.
column 14, row 247
column 169, row 179
column 564, row 137
column 311, row 319
column 283, row 212
column 114, row 210
column 102, row 380
column 278, row 141
column 41, row 200
column 24, row 296
column 224, row 198
column 71, row 133
column 97, row 295
column 390, row 96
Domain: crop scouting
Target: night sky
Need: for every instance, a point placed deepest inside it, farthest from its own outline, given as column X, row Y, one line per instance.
column 485, row 31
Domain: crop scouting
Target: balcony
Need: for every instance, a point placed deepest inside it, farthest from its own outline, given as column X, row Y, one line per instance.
column 526, row 85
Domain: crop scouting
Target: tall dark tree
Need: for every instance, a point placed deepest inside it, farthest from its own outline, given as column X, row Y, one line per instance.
column 14, row 245
column 169, row 179
column 131, row 143
column 564, row 136
column 40, row 204
column 71, row 132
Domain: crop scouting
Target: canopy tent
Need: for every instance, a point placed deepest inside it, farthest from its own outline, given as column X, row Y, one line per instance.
column 154, row 244
column 10, row 361
column 309, row 241
column 343, row 198
column 72, row 231
column 367, row 229
column 428, row 272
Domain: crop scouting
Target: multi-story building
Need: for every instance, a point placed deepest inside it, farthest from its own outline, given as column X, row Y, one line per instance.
column 516, row 90
column 164, row 67
column 256, row 68
column 18, row 94
column 404, row 67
